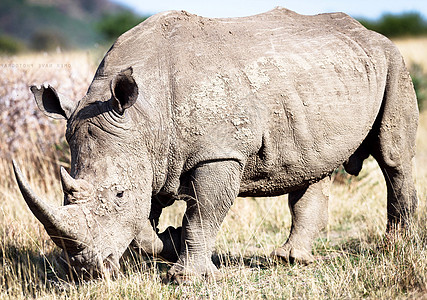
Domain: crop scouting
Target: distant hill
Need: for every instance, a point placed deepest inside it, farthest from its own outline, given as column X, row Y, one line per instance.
column 70, row 23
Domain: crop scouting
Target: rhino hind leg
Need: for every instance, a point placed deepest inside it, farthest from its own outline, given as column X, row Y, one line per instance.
column 309, row 209
column 212, row 188
column 395, row 161
column 394, row 147
column 401, row 195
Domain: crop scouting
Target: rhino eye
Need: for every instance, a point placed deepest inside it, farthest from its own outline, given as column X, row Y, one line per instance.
column 120, row 194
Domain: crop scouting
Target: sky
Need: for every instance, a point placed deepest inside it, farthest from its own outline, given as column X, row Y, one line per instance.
column 371, row 9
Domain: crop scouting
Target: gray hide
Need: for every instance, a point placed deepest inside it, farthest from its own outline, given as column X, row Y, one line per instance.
column 203, row 110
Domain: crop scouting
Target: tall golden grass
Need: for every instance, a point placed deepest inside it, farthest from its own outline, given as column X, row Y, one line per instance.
column 413, row 50
column 355, row 261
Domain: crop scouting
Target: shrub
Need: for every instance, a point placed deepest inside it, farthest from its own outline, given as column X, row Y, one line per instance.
column 10, row 45
column 48, row 40
column 391, row 25
column 112, row 26
column 419, row 78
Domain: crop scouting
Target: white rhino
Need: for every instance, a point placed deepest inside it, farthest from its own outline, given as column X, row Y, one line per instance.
column 204, row 110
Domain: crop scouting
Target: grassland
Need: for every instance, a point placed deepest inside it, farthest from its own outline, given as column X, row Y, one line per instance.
column 356, row 261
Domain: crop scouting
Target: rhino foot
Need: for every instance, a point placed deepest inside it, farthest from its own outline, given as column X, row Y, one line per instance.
column 292, row 254
column 184, row 273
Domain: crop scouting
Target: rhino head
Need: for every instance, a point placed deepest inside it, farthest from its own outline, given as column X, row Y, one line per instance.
column 107, row 196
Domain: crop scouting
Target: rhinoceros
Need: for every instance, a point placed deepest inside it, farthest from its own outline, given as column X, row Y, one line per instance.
column 203, row 110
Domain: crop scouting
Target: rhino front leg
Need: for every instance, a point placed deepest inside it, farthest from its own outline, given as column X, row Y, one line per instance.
column 212, row 190
column 171, row 237
column 309, row 209
column 165, row 245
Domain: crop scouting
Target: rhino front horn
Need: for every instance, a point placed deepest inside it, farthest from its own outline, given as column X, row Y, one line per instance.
column 52, row 218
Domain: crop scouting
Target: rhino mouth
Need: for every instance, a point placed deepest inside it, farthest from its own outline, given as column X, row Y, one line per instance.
column 87, row 265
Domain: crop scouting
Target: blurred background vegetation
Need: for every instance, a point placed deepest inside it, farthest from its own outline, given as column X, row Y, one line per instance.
column 407, row 24
column 47, row 25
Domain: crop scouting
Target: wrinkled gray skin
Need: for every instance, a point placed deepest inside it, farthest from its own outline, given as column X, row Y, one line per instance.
column 205, row 110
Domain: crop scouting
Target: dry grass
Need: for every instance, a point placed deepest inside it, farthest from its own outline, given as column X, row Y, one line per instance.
column 357, row 262
column 413, row 50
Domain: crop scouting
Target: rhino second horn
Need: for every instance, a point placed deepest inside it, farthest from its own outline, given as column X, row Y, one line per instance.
column 49, row 216
column 69, row 184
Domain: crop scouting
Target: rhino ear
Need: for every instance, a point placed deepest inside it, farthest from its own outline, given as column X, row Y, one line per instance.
column 124, row 90
column 51, row 103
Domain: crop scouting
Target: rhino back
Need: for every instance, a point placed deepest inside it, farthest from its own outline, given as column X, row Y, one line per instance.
column 289, row 96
